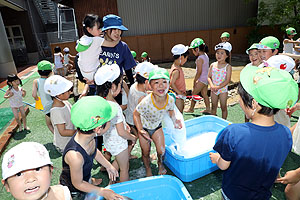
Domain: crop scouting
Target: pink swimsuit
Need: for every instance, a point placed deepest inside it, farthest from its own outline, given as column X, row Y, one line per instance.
column 218, row 77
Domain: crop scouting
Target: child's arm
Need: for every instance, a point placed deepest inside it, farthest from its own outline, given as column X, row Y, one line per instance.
column 177, row 122
column 228, row 77
column 8, row 94
column 174, row 77
column 139, row 126
column 63, row 131
column 34, row 90
column 84, row 91
column 291, row 41
column 209, row 79
column 125, row 133
column 217, row 159
column 23, row 92
column 291, row 177
column 199, row 63
column 112, row 172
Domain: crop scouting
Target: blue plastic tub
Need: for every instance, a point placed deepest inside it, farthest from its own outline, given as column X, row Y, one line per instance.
column 156, row 187
column 189, row 169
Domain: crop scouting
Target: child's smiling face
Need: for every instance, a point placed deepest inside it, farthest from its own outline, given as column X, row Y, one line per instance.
column 30, row 184
column 159, row 86
column 221, row 55
column 254, row 57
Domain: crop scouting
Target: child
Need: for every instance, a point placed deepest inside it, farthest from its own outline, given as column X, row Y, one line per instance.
column 133, row 53
column 199, row 49
column 253, row 54
column 137, row 92
column 58, row 61
column 145, row 57
column 60, row 113
column 15, row 94
column 44, row 70
column 288, row 42
column 219, row 76
column 27, row 172
column 177, row 83
column 68, row 63
column 225, row 37
column 89, row 46
column 148, row 117
column 268, row 47
column 90, row 115
column 108, row 82
column 252, row 153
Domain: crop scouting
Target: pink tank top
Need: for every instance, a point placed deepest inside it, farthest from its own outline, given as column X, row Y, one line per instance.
column 180, row 82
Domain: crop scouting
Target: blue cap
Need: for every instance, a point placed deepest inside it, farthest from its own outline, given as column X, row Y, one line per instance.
column 113, row 21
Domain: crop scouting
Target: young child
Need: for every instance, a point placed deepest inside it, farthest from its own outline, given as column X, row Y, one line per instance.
column 288, row 42
column 253, row 54
column 15, row 94
column 133, row 53
column 90, row 115
column 68, row 63
column 137, row 92
column 58, row 61
column 219, row 76
column 60, row 113
column 177, row 82
column 108, row 82
column 225, row 37
column 268, row 47
column 145, row 57
column 44, row 70
column 200, row 50
column 27, row 172
column 89, row 46
column 252, row 153
column 148, row 117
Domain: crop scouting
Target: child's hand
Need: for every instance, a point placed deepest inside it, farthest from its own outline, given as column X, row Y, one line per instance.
column 109, row 194
column 291, row 177
column 112, row 173
column 145, row 135
column 214, row 157
column 89, row 82
column 178, row 124
column 290, row 111
column 127, row 128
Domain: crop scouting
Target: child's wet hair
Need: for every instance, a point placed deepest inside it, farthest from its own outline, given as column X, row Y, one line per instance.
column 247, row 100
column 44, row 72
column 185, row 54
column 57, row 49
column 103, row 90
column 11, row 78
column 203, row 48
column 89, row 21
column 140, row 79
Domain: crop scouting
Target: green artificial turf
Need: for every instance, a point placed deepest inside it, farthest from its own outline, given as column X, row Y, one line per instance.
column 206, row 188
column 6, row 115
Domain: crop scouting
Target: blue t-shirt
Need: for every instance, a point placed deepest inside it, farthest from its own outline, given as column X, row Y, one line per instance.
column 120, row 54
column 256, row 154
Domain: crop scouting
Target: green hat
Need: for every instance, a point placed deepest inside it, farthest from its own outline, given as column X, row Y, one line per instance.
column 271, row 87
column 269, row 42
column 291, row 31
column 45, row 65
column 144, row 54
column 159, row 73
column 91, row 112
column 196, row 43
column 133, row 53
column 225, row 34
column 253, row 46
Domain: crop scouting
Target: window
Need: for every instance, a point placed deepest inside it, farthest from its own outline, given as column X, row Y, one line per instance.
column 15, row 37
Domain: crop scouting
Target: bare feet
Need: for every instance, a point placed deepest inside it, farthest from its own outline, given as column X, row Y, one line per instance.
column 26, row 128
column 96, row 181
column 205, row 111
column 189, row 111
column 148, row 172
column 133, row 157
column 162, row 171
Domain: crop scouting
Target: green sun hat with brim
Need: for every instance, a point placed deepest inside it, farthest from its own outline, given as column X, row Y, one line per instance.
column 290, row 31
column 253, row 46
column 133, row 53
column 91, row 112
column 271, row 87
column 196, row 43
column 269, row 42
column 225, row 34
column 158, row 74
column 45, row 65
column 84, row 43
column 144, row 54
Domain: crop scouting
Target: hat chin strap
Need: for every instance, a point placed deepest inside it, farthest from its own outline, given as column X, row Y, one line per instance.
column 58, row 99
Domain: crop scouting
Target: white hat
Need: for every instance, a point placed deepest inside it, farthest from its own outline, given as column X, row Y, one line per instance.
column 107, row 73
column 224, row 45
column 56, row 85
column 179, row 49
column 281, row 62
column 145, row 68
column 66, row 49
column 24, row 156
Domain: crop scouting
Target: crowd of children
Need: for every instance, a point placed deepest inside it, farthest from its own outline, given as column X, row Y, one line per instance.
column 268, row 96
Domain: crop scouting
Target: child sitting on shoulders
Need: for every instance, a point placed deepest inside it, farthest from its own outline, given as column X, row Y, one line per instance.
column 27, row 172
column 44, row 70
column 219, row 76
column 60, row 113
column 246, row 151
column 108, row 80
column 148, row 117
column 177, row 82
column 90, row 115
column 137, row 92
